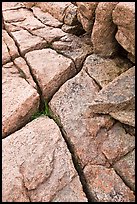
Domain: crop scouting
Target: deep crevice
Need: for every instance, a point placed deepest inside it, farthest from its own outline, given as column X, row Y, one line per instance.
column 75, row 158
column 41, row 106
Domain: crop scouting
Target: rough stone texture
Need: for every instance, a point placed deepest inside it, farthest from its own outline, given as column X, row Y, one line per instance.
column 104, row 30
column 51, row 70
column 37, row 164
column 74, row 48
column 75, row 29
column 28, row 42
column 85, row 131
column 9, row 49
column 56, row 9
column 50, row 34
column 46, row 18
column 70, row 17
column 86, row 14
column 22, row 18
column 103, row 70
column 118, row 143
column 126, row 169
column 106, row 185
column 5, row 53
column 11, row 5
column 19, row 100
column 23, row 68
column 126, row 116
column 29, row 4
column 39, row 168
column 17, row 15
column 117, row 96
column 126, row 26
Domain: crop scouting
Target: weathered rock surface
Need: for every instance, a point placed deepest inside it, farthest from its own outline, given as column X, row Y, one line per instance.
column 19, row 100
column 91, row 135
column 49, row 34
column 126, row 116
column 103, row 70
column 12, row 5
column 118, row 143
column 51, row 70
column 9, row 49
column 74, row 48
column 46, row 18
column 126, row 169
column 106, row 185
column 44, row 45
column 86, row 14
column 117, row 96
column 104, row 30
column 5, row 53
column 39, row 168
column 23, row 68
column 70, row 17
column 56, row 9
column 28, row 42
column 84, row 130
column 126, row 26
column 22, row 18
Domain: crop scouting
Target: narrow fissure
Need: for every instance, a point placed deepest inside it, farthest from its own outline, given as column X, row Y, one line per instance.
column 75, row 159
column 124, row 180
column 41, row 106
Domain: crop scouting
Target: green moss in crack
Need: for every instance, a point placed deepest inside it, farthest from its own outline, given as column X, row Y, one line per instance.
column 47, row 112
column 36, row 115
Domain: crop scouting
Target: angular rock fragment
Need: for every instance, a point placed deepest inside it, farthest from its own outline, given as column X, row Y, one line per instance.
column 104, row 30
column 70, row 17
column 5, row 53
column 86, row 14
column 50, row 69
column 28, row 42
column 11, row 47
column 12, row 5
column 39, row 168
column 118, row 143
column 29, row 4
column 126, row 169
column 126, row 116
column 74, row 48
column 104, row 70
column 106, row 185
column 126, row 26
column 56, row 9
column 117, row 96
column 46, row 18
column 17, row 15
column 85, row 131
column 22, row 19
column 50, row 34
column 23, row 68
column 19, row 100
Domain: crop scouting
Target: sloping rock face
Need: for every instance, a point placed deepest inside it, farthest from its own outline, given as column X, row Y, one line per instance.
column 86, row 14
column 94, row 137
column 68, row 102
column 104, row 30
column 39, row 167
column 118, row 96
column 126, row 26
column 19, row 99
column 52, row 74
